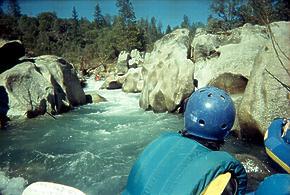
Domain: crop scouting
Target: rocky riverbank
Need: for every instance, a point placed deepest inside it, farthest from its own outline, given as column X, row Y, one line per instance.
column 251, row 63
column 44, row 84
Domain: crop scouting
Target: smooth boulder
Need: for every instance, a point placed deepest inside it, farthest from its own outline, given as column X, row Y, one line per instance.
column 40, row 85
column 133, row 81
column 167, row 73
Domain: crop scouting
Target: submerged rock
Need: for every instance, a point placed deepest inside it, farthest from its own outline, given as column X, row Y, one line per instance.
column 43, row 84
column 167, row 73
column 255, row 168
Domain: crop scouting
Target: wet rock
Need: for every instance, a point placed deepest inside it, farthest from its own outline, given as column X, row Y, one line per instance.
column 94, row 97
column 134, row 81
column 167, row 73
column 10, row 52
column 50, row 84
column 113, row 82
column 256, row 170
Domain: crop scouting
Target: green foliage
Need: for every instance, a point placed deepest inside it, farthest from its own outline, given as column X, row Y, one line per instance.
column 185, row 22
column 99, row 18
column 126, row 11
column 229, row 14
column 168, row 29
column 85, row 43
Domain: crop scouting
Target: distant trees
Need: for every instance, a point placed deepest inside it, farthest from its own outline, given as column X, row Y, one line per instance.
column 126, row 11
column 99, row 18
column 168, row 29
column 228, row 14
column 14, row 8
column 1, row 4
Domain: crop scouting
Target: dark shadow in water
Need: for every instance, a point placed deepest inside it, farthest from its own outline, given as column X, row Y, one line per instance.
column 4, row 107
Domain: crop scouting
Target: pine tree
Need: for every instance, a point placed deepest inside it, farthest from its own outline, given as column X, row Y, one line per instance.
column 168, row 29
column 14, row 8
column 185, row 22
column 75, row 22
column 98, row 17
column 1, row 3
column 126, row 11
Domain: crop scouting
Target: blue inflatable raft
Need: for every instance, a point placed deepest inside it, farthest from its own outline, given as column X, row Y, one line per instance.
column 278, row 184
column 278, row 145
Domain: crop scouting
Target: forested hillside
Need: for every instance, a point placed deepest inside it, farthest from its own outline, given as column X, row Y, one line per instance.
column 89, row 43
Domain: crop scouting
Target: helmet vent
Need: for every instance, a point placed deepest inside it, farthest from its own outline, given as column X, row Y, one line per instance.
column 209, row 95
column 201, row 122
column 224, row 126
column 223, row 98
column 202, row 90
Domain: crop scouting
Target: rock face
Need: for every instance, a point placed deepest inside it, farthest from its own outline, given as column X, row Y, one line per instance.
column 10, row 52
column 265, row 98
column 167, row 73
column 42, row 84
column 122, row 64
column 237, row 62
column 136, row 58
column 133, row 81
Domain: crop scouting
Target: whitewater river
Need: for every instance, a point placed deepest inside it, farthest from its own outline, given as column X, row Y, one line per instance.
column 91, row 148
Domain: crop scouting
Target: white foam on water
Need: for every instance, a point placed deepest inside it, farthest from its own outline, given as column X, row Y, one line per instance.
column 92, row 84
column 11, row 186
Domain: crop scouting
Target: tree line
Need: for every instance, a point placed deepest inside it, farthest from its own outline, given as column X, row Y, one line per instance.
column 100, row 41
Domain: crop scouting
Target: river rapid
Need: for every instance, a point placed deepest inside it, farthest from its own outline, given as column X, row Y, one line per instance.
column 91, row 148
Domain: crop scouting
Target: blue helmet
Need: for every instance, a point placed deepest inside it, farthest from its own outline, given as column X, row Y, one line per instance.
column 209, row 114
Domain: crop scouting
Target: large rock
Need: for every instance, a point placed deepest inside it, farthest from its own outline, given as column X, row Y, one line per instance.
column 167, row 73
column 42, row 84
column 113, row 82
column 136, row 59
column 10, row 52
column 237, row 61
column 133, row 81
column 122, row 63
column 265, row 98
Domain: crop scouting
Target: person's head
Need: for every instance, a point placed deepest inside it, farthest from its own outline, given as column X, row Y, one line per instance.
column 209, row 114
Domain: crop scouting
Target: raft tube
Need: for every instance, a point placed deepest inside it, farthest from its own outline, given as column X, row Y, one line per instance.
column 277, row 147
column 278, row 184
column 49, row 188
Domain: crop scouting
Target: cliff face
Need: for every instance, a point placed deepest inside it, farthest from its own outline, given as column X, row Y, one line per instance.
column 239, row 61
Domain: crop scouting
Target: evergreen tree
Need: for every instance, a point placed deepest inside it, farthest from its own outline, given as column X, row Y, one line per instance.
column 1, row 3
column 126, row 11
column 168, row 29
column 75, row 24
column 227, row 12
column 98, row 17
column 282, row 10
column 14, row 8
column 185, row 22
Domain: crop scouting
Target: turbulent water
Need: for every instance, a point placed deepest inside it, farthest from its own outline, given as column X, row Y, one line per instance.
column 91, row 148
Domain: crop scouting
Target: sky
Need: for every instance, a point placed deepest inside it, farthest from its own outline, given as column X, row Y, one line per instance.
column 167, row 11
